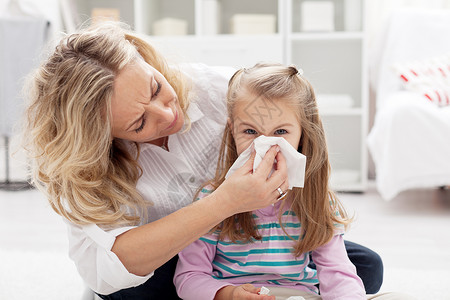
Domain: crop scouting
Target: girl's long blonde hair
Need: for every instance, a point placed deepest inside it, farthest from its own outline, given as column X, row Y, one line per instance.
column 315, row 205
column 88, row 176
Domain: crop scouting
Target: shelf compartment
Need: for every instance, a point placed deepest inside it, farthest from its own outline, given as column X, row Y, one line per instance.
column 229, row 8
column 158, row 9
column 332, row 66
column 346, row 180
column 346, row 150
column 346, row 16
column 344, row 139
column 125, row 8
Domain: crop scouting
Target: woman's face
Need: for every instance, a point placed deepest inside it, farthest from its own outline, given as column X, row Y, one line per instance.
column 145, row 107
column 255, row 116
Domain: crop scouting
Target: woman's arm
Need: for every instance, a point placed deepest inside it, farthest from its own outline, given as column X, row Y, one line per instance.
column 145, row 248
column 337, row 275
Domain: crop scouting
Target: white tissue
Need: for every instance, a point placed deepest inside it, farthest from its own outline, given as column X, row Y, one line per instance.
column 264, row 291
column 295, row 161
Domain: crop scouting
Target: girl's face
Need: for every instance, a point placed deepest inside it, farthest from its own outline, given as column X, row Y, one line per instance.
column 145, row 107
column 254, row 116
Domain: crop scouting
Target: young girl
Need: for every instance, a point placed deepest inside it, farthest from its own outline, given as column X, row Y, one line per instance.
column 270, row 247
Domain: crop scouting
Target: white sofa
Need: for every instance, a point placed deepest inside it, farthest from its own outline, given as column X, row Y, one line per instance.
column 410, row 139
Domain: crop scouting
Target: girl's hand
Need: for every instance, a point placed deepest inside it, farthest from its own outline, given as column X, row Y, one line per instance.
column 241, row 292
column 246, row 190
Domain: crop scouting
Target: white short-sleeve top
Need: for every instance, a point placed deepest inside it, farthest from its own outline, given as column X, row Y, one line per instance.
column 169, row 181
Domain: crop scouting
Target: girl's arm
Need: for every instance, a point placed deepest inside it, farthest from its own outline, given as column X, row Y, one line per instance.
column 193, row 276
column 337, row 275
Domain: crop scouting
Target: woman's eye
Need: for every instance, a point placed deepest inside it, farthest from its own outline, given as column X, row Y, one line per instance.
column 281, row 131
column 158, row 89
column 250, row 131
column 137, row 130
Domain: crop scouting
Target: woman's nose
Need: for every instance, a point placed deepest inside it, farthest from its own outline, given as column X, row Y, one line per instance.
column 162, row 112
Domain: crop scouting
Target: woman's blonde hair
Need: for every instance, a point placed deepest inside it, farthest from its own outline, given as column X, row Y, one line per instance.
column 315, row 205
column 88, row 176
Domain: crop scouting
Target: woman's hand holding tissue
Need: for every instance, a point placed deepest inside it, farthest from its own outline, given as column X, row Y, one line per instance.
column 241, row 292
column 255, row 190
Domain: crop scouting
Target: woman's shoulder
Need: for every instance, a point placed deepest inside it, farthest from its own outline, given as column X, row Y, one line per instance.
column 209, row 84
column 202, row 71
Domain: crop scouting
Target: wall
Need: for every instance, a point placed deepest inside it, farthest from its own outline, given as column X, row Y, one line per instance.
column 47, row 8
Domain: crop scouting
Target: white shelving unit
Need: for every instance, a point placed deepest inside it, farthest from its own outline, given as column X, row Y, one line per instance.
column 333, row 61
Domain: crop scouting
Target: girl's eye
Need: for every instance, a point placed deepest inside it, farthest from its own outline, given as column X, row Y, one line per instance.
column 139, row 129
column 158, row 89
column 281, row 131
column 250, row 131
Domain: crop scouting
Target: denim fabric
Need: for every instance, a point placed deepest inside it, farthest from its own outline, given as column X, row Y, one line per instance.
column 159, row 286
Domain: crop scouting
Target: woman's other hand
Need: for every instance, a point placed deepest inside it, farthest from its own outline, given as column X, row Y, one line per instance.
column 246, row 190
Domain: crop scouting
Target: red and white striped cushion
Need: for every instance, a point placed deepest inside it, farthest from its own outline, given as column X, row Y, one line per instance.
column 430, row 78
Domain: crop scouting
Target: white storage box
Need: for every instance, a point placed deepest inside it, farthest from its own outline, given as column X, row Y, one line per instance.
column 170, row 26
column 317, row 16
column 253, row 24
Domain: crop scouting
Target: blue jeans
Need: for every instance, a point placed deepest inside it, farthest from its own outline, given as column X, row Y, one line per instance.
column 160, row 286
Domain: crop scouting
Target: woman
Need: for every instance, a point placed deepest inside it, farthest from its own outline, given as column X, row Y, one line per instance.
column 120, row 143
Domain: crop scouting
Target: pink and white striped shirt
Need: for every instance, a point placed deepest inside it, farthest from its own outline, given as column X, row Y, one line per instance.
column 210, row 264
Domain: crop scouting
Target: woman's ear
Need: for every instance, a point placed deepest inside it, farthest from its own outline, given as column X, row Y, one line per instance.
column 230, row 125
